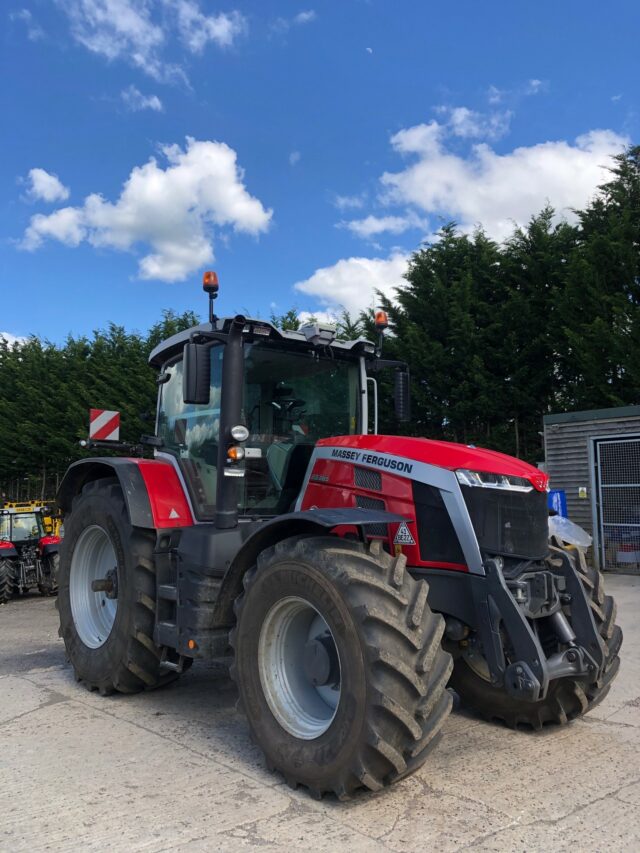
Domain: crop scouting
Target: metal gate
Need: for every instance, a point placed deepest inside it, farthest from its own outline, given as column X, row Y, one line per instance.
column 618, row 511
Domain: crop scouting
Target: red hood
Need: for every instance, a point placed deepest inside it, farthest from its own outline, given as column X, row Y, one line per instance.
column 445, row 454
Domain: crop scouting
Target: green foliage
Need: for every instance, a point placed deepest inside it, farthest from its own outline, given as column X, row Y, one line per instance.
column 46, row 392
column 288, row 322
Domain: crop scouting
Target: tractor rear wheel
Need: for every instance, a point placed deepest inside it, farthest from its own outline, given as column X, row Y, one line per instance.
column 6, row 580
column 339, row 664
column 567, row 698
column 108, row 634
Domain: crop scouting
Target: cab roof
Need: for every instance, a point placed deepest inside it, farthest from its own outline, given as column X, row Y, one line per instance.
column 260, row 329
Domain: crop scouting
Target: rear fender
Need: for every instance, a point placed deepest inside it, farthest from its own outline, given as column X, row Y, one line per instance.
column 304, row 523
column 7, row 551
column 153, row 494
column 49, row 545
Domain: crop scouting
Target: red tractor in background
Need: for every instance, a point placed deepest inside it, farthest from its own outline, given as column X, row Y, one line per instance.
column 28, row 554
column 356, row 578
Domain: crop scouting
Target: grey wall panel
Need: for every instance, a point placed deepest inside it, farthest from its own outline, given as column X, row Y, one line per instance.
column 567, row 458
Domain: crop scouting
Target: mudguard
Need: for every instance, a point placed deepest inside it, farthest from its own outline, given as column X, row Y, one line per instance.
column 311, row 521
column 153, row 494
column 7, row 551
column 49, row 545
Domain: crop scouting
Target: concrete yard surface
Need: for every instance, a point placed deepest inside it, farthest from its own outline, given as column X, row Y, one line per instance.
column 175, row 769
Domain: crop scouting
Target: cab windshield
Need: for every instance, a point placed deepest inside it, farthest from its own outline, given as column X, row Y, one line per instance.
column 18, row 527
column 290, row 400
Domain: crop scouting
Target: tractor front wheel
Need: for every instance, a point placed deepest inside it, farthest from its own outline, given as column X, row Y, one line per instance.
column 339, row 664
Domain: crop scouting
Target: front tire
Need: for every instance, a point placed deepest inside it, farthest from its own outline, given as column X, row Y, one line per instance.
column 109, row 640
column 7, row 577
column 567, row 698
column 339, row 665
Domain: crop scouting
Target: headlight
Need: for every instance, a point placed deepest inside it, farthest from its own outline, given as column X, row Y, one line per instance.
column 239, row 432
column 493, row 481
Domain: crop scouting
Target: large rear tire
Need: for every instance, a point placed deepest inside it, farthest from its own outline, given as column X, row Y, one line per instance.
column 339, row 665
column 567, row 698
column 109, row 640
column 7, row 577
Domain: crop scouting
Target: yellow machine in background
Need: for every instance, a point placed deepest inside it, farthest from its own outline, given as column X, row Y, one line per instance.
column 29, row 545
column 51, row 518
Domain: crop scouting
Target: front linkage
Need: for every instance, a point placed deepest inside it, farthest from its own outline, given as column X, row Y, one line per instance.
column 554, row 593
column 545, row 647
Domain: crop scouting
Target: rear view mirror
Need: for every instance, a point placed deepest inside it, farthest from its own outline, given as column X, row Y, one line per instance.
column 196, row 374
column 401, row 396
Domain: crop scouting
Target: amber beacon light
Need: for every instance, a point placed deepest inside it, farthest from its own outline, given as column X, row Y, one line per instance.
column 210, row 285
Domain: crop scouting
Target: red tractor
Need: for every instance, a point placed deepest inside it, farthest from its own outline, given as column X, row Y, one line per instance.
column 28, row 556
column 355, row 577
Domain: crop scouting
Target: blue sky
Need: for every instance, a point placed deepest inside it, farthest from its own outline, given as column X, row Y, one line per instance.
column 302, row 151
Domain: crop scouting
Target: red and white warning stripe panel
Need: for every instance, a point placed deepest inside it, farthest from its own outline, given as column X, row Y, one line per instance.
column 104, row 425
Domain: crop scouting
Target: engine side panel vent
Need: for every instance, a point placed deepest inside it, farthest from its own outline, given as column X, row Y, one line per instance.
column 366, row 478
column 365, row 502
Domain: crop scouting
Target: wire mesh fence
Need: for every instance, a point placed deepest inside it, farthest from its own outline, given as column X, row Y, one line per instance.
column 618, row 464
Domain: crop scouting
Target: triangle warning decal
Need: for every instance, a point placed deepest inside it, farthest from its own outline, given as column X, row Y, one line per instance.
column 403, row 536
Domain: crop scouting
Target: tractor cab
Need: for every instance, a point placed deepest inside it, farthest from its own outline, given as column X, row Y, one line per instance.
column 21, row 528
column 287, row 390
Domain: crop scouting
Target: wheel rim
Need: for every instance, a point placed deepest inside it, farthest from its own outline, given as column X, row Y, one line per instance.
column 93, row 612
column 299, row 668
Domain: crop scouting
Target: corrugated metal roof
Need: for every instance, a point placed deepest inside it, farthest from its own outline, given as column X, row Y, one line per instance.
column 593, row 415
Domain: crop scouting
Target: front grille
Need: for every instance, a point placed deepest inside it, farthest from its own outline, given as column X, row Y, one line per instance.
column 513, row 524
column 437, row 537
column 372, row 503
column 366, row 478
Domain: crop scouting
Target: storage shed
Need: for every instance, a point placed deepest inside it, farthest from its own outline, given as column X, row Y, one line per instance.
column 594, row 457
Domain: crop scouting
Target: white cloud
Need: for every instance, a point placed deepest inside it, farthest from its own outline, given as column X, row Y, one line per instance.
column 34, row 30
column 197, row 29
column 281, row 26
column 305, row 17
column 369, row 49
column 352, row 282
column 13, row 339
column 346, row 202
column 615, row 98
column 535, row 86
column 120, row 29
column 469, row 124
column 137, row 32
column 518, row 92
column 170, row 211
column 45, row 186
column 135, row 101
column 371, row 226
column 294, row 158
column 65, row 225
column 496, row 190
column 495, row 95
